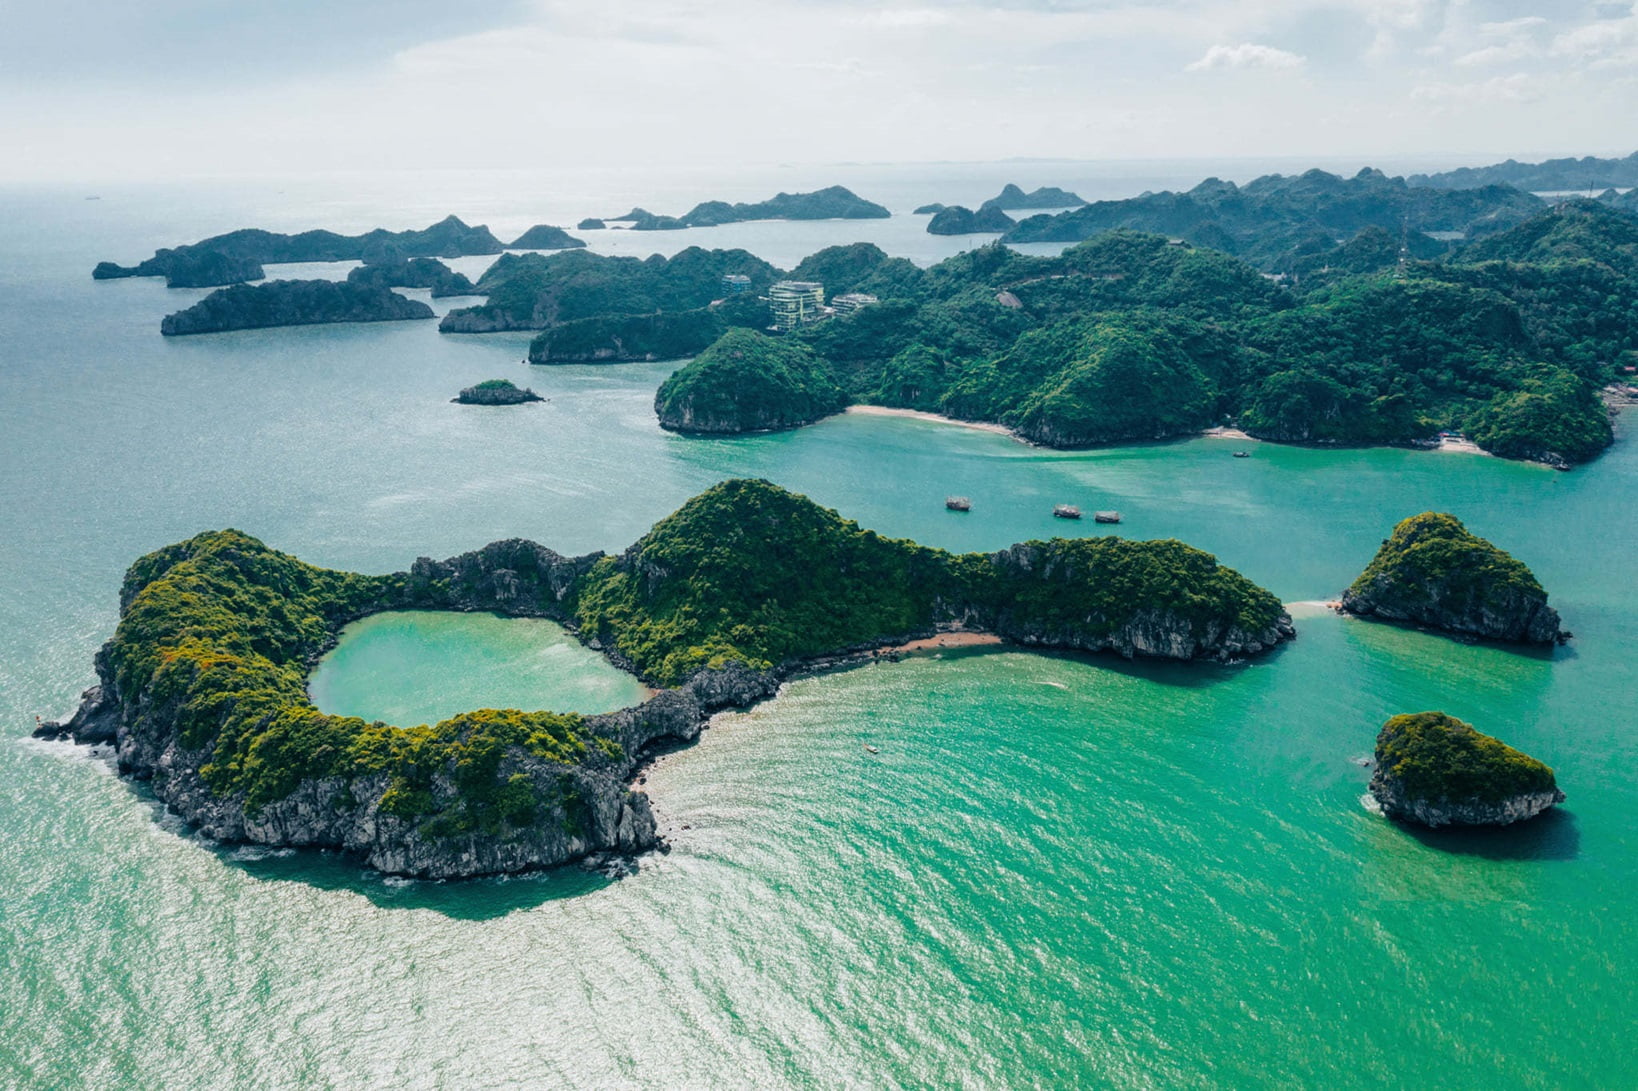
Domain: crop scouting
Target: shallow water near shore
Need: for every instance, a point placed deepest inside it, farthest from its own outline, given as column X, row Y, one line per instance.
column 1055, row 870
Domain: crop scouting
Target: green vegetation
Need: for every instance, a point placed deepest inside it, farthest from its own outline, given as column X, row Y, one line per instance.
column 537, row 291
column 751, row 572
column 1433, row 571
column 1276, row 215
column 218, row 632
column 616, row 338
column 448, row 238
column 747, row 382
column 1434, row 550
column 291, row 303
column 413, row 273
column 1438, row 757
column 1133, row 336
column 1555, row 418
column 959, row 220
column 830, row 203
column 217, row 635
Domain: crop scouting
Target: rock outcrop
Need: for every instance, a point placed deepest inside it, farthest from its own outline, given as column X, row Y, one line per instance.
column 291, row 303
column 1435, row 770
column 496, row 392
column 1433, row 572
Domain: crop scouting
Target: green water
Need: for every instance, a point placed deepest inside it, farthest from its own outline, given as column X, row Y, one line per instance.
column 421, row 666
column 1056, row 871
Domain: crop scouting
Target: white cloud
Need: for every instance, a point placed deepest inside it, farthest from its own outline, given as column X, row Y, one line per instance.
column 1604, row 43
column 1245, row 55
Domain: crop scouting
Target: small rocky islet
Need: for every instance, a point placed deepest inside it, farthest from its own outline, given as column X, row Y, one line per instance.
column 496, row 392
column 1435, row 573
column 202, row 689
column 1435, row 770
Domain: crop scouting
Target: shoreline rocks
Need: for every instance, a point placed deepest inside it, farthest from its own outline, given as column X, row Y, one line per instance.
column 1435, row 770
column 1433, row 572
column 186, row 694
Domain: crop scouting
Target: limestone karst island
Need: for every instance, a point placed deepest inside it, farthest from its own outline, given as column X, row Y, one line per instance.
column 818, row 544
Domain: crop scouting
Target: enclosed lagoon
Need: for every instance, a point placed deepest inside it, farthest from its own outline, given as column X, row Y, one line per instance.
column 420, row 666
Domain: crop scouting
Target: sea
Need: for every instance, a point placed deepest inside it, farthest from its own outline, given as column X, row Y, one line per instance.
column 1052, row 871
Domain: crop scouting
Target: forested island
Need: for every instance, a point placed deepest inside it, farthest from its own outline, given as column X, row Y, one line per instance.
column 292, row 303
column 1434, row 572
column 830, row 203
column 496, row 392
column 237, row 253
column 1132, row 336
column 1293, row 223
column 413, row 273
column 1434, row 770
column 202, row 690
column 958, row 220
column 545, row 237
column 1553, row 175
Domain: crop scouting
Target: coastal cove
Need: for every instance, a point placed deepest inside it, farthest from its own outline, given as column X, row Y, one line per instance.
column 1055, row 869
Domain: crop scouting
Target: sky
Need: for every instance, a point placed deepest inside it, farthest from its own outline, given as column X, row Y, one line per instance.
column 181, row 88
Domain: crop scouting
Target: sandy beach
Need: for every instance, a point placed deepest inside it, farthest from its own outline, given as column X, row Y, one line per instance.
column 1225, row 433
column 961, row 639
column 884, row 411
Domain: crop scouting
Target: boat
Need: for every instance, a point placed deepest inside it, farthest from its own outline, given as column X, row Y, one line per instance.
column 1106, row 517
column 1242, row 454
column 958, row 503
column 872, row 749
column 1067, row 511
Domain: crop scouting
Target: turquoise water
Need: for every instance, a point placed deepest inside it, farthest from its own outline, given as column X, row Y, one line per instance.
column 1056, row 871
column 421, row 666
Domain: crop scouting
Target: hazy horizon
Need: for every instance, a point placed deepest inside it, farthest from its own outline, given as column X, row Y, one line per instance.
column 188, row 88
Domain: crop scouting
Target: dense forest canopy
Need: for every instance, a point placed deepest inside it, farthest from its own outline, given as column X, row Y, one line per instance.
column 1379, row 338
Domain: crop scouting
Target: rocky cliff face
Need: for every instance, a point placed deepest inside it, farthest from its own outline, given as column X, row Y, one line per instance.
column 1154, row 632
column 1471, row 812
column 1433, row 572
column 217, row 634
column 593, row 809
column 1435, row 770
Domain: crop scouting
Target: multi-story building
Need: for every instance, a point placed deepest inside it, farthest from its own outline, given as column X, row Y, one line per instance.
column 796, row 302
column 736, row 282
column 849, row 302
